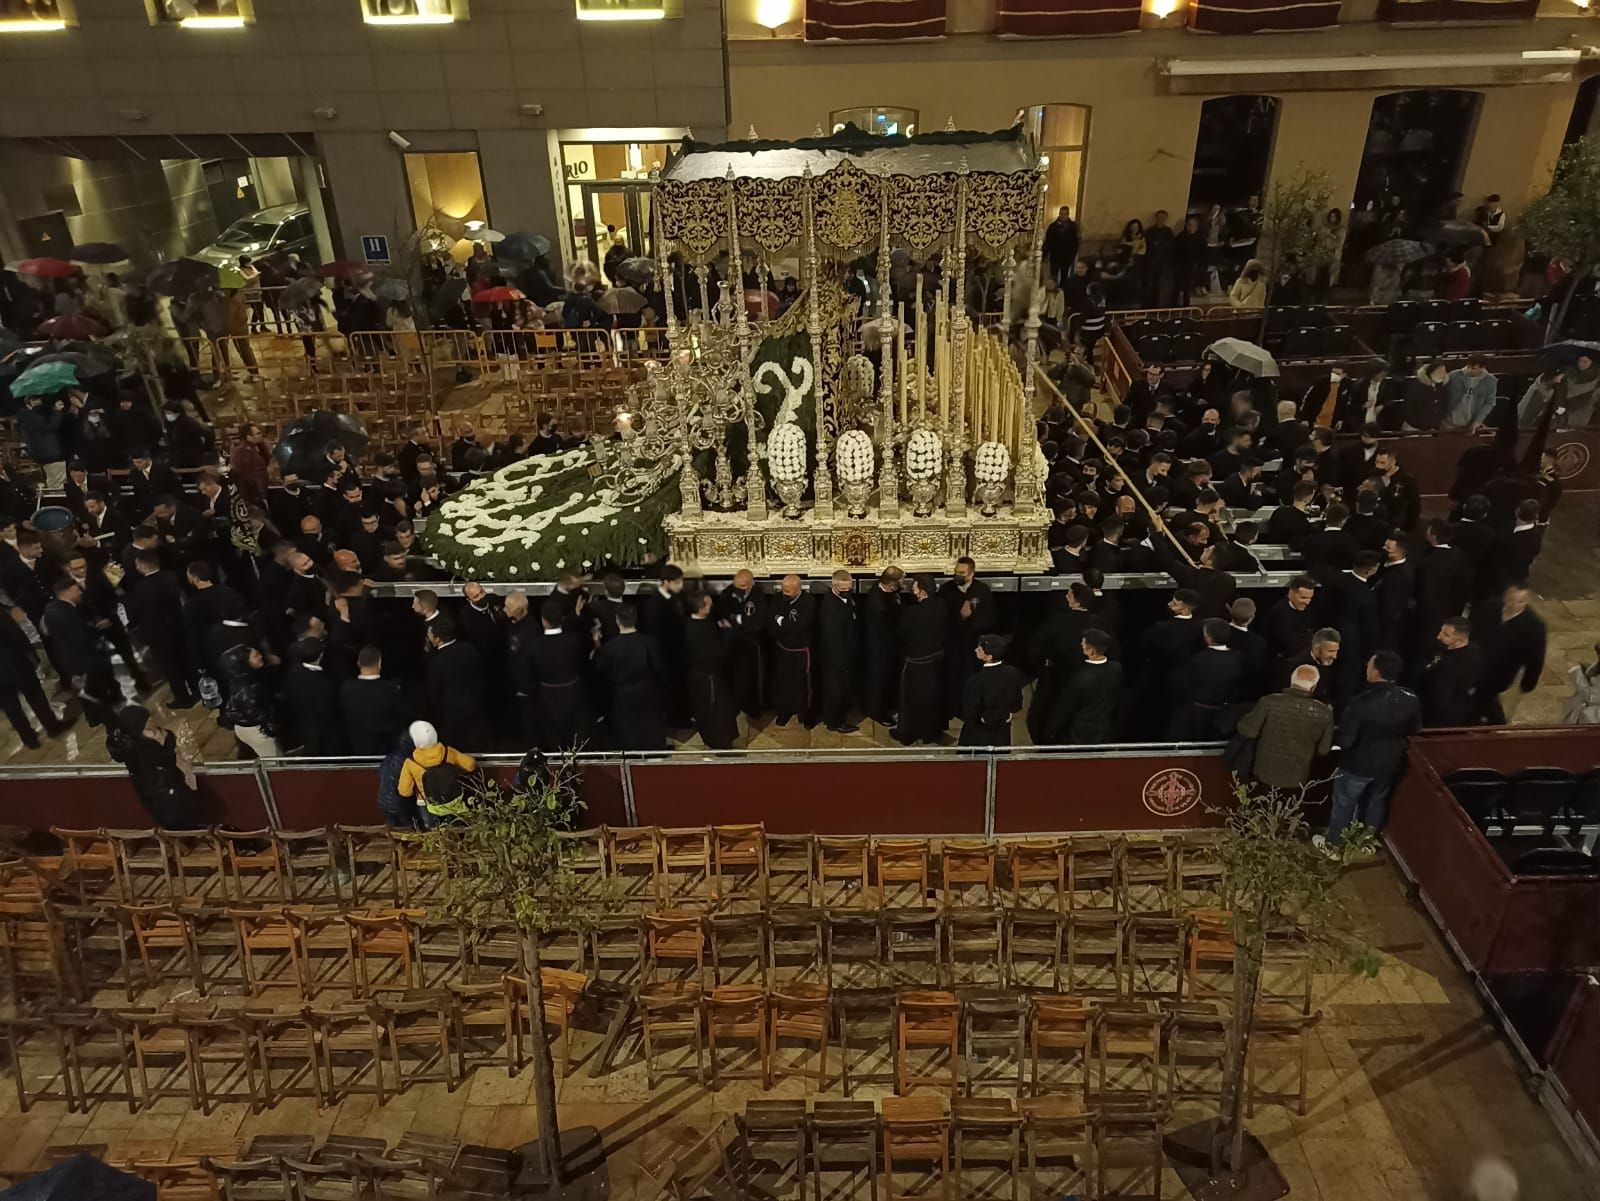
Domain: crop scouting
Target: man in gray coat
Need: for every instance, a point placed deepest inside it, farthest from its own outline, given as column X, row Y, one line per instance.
column 1291, row 728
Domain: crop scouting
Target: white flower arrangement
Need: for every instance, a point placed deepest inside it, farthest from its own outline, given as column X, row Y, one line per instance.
column 854, row 454
column 786, row 452
column 924, row 455
column 860, row 377
column 991, row 464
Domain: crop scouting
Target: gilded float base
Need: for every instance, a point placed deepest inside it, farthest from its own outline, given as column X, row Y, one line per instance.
column 720, row 543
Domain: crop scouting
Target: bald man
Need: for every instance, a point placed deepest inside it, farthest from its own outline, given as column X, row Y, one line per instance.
column 743, row 606
column 1291, row 730
column 793, row 622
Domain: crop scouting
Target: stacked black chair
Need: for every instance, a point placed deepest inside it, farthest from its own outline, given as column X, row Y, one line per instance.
column 1539, row 796
column 1480, row 791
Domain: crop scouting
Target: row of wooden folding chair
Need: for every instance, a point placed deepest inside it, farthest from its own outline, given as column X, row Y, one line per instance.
column 1093, row 872
column 358, row 863
column 1057, row 1147
column 211, row 1055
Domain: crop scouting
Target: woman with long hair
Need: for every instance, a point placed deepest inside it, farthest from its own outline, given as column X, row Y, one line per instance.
column 1583, row 706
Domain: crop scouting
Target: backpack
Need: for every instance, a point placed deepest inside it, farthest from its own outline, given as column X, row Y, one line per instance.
column 441, row 783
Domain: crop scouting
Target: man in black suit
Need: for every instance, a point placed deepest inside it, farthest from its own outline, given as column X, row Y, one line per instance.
column 78, row 654
column 99, row 609
column 1473, row 534
column 743, row 606
column 992, row 696
column 1452, row 684
column 1368, row 527
column 792, row 621
column 1354, row 460
column 1164, row 650
column 1331, row 549
column 558, row 659
column 881, row 609
column 1444, row 579
column 1252, row 648
column 1514, row 644
column 1396, row 589
column 20, row 681
column 1290, row 524
column 416, row 444
column 1518, row 548
column 631, row 676
column 1243, row 489
column 716, row 717
column 1288, row 434
column 1206, row 686
column 311, row 702
column 970, row 605
column 1287, row 629
column 1055, row 652
column 22, row 570
column 1401, row 496
column 1086, row 711
column 455, row 687
column 155, row 603
column 1142, row 394
column 148, row 481
column 1355, row 607
column 839, row 646
column 372, row 708
column 662, row 616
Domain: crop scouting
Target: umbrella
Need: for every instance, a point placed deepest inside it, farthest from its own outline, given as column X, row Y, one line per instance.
column 1565, row 354
column 49, row 268
column 181, row 277
column 82, row 1178
column 302, row 450
column 99, row 252
column 637, row 271
column 622, row 300
column 299, row 292
column 523, row 247
column 73, row 325
column 45, row 379
column 760, row 303
column 229, row 277
column 86, row 365
column 391, row 289
column 1457, row 233
column 1397, row 252
column 447, row 297
column 343, row 269
column 1246, row 356
column 485, row 235
column 497, row 296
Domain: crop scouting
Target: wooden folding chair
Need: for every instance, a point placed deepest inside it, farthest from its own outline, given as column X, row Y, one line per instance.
column 965, row 864
column 1147, row 877
column 161, row 1046
column 915, row 1129
column 388, row 935
column 780, row 1125
column 197, row 865
column 901, row 861
column 1035, row 940
column 743, row 847
column 1197, row 1043
column 633, row 852
column 89, row 863
column 1059, row 1023
column 670, row 1012
column 987, row 1130
column 369, row 855
column 288, row 1054
column 1035, row 863
column 1093, row 867
column 165, row 938
column 736, row 1013
column 349, row 1045
column 311, row 864
column 794, row 944
column 688, row 848
column 1210, row 944
column 843, row 859
column 253, row 864
column 932, row 1021
column 844, row 1133
column 674, row 940
column 1279, row 1032
column 41, row 1066
column 417, row 1030
column 799, row 1010
column 1058, row 1127
column 142, row 864
column 221, row 1044
column 1129, row 1142
column 791, row 869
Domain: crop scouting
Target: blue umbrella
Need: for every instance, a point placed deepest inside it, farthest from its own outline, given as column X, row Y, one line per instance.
column 82, row 1178
column 45, row 379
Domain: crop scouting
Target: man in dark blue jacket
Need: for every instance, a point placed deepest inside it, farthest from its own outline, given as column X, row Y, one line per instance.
column 1372, row 746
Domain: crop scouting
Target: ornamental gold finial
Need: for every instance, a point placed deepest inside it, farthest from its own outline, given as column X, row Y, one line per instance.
column 950, row 124
column 752, row 135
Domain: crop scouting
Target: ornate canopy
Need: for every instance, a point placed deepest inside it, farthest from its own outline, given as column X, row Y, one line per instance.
column 848, row 174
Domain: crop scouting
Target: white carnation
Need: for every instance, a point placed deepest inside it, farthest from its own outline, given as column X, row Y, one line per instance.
column 924, row 455
column 854, row 454
column 992, row 463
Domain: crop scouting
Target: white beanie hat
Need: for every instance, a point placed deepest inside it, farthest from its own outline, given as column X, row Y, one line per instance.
column 423, row 735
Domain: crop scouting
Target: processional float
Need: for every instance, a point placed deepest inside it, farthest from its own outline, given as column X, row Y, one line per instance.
column 883, row 439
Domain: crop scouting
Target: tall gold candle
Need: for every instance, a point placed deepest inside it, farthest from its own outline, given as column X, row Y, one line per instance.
column 900, row 356
column 919, row 347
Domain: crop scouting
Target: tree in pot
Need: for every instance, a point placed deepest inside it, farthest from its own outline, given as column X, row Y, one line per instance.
column 1278, row 888
column 1564, row 223
column 503, row 858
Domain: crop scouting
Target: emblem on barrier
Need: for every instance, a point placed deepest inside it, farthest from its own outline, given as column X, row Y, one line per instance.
column 1171, row 791
column 1571, row 459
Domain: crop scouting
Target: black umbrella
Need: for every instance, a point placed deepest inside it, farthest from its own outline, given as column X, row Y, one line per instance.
column 447, row 296
column 87, row 364
column 181, row 278
column 303, row 448
column 1457, row 233
column 522, row 248
column 82, row 1178
column 637, row 272
column 1565, row 354
column 98, row 252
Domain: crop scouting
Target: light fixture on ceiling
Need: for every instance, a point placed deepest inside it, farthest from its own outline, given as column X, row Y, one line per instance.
column 212, row 22
column 31, row 25
column 1351, row 63
column 622, row 14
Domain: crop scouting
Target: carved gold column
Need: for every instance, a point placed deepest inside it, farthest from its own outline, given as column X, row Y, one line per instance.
column 889, row 477
column 955, row 490
column 1025, row 484
column 822, row 479
column 688, row 481
column 755, row 494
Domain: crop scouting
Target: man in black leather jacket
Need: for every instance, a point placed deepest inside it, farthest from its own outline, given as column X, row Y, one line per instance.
column 1372, row 737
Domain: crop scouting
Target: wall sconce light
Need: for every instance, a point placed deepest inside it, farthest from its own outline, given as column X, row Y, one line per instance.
column 31, row 25
column 1161, row 9
column 324, row 114
column 774, row 14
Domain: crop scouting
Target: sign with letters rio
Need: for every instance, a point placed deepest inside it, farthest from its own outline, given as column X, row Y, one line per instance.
column 375, row 248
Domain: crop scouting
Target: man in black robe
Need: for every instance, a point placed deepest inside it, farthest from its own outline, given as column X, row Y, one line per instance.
column 1396, row 589
column 1444, row 578
column 455, row 688
column 970, row 604
column 1452, row 684
column 482, row 622
column 1085, row 711
column 1056, row 651
column 880, row 654
column 311, row 703
column 1206, row 686
column 793, row 621
column 155, row 603
column 991, row 696
column 1288, row 627
column 661, row 615
column 839, row 645
column 68, row 634
column 711, row 699
column 742, row 606
column 631, row 675
column 924, row 634
column 1164, row 650
column 373, row 709
column 1513, row 639
column 1355, row 606
column 522, row 631
column 562, row 717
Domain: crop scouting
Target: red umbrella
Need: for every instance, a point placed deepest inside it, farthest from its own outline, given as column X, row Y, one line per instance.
column 498, row 295
column 51, row 268
column 343, row 269
column 73, row 325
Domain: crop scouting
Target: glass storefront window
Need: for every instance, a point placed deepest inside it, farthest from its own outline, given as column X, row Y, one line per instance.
column 882, row 121
column 35, row 15
column 628, row 10
column 201, row 14
column 608, row 194
column 410, row 12
column 1061, row 132
column 447, row 195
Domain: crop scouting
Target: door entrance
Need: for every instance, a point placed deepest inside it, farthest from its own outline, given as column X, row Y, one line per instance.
column 612, row 213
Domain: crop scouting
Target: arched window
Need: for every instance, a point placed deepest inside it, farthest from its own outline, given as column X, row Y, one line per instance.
column 878, row 120
column 1232, row 151
column 1061, row 131
column 1416, row 149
